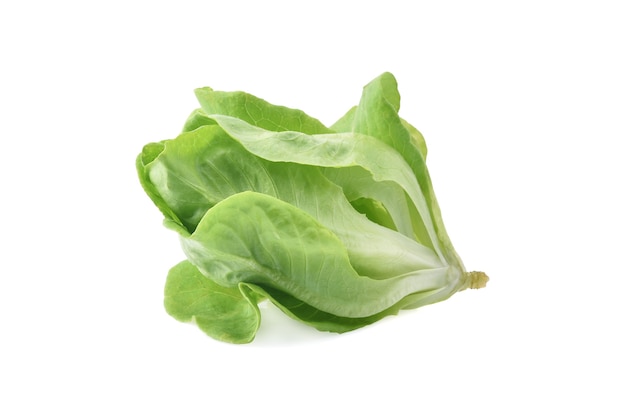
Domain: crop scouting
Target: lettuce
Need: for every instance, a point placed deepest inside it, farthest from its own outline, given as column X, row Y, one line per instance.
column 337, row 226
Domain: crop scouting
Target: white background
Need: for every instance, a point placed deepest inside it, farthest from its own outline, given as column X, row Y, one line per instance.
column 523, row 108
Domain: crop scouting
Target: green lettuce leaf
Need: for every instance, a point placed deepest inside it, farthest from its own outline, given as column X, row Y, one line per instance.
column 257, row 112
column 223, row 313
column 254, row 238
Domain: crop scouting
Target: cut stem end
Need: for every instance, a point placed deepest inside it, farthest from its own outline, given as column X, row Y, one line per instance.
column 476, row 279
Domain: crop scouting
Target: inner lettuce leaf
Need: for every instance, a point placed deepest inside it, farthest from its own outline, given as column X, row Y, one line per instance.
column 337, row 226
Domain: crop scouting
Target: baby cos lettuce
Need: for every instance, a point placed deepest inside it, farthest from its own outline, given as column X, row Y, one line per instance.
column 337, row 226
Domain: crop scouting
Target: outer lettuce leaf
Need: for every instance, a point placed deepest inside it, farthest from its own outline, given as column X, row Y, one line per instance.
column 258, row 112
column 232, row 314
column 222, row 312
column 325, row 321
column 149, row 153
column 257, row 239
